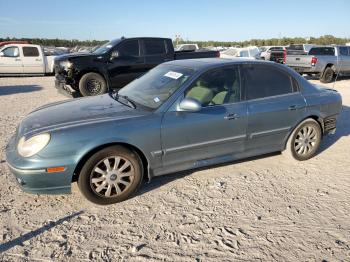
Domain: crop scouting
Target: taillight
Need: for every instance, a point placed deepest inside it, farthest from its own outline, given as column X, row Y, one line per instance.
column 313, row 61
column 284, row 56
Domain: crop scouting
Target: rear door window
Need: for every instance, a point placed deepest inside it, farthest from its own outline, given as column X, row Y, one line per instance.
column 265, row 81
column 129, row 48
column 343, row 50
column 29, row 51
column 154, row 47
column 322, row 51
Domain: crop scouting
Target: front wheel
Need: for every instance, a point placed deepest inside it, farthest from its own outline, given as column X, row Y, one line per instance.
column 304, row 141
column 92, row 84
column 111, row 175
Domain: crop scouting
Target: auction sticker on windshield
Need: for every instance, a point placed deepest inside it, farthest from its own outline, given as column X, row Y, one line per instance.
column 173, row 75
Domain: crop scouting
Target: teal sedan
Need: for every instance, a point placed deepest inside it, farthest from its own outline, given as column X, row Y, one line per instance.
column 181, row 115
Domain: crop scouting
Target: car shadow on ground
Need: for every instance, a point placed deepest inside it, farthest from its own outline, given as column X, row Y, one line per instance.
column 16, row 89
column 19, row 240
column 343, row 129
column 339, row 78
column 165, row 179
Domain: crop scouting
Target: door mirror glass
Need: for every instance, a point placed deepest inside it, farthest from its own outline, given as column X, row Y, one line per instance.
column 189, row 105
column 1, row 53
column 114, row 55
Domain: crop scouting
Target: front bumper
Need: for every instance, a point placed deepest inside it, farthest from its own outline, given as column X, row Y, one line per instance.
column 32, row 175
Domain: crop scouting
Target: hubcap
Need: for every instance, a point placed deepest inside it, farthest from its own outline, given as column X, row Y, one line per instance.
column 112, row 176
column 305, row 140
column 93, row 86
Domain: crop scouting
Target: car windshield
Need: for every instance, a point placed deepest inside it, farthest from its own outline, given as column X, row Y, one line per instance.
column 106, row 47
column 155, row 87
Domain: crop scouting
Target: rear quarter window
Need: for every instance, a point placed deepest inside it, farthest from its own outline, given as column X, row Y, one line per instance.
column 154, row 47
column 29, row 51
column 265, row 81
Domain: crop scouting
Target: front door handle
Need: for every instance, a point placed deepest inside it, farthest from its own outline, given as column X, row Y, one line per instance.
column 231, row 116
column 39, row 60
column 295, row 107
column 17, row 59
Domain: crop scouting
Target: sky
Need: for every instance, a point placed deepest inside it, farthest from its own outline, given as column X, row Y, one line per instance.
column 224, row 20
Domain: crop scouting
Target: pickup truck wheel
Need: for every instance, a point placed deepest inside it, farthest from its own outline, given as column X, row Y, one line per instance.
column 92, row 84
column 327, row 75
column 304, row 141
column 111, row 175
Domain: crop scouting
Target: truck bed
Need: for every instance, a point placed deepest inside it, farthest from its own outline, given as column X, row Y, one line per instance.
column 179, row 55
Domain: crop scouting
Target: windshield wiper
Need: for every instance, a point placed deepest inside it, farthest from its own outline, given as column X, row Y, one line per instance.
column 129, row 102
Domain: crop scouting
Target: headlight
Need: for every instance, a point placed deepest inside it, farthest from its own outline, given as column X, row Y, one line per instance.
column 66, row 64
column 33, row 145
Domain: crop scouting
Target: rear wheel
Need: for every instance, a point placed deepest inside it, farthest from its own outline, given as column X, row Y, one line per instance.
column 92, row 84
column 304, row 141
column 327, row 75
column 111, row 175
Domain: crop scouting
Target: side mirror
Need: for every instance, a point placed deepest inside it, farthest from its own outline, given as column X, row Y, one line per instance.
column 114, row 55
column 189, row 105
column 1, row 53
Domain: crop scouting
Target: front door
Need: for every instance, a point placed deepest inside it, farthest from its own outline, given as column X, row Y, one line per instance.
column 217, row 130
column 275, row 106
column 128, row 65
column 10, row 61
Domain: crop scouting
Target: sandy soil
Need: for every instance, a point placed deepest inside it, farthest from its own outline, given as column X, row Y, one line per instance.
column 266, row 208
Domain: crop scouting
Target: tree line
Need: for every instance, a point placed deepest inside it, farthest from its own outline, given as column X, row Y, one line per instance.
column 322, row 40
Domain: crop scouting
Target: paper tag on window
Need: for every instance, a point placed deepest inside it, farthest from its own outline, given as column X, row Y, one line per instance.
column 156, row 99
column 173, row 75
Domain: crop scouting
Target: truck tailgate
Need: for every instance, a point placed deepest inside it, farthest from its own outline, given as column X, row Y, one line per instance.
column 298, row 60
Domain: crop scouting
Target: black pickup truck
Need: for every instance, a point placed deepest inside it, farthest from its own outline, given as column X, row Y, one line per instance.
column 116, row 63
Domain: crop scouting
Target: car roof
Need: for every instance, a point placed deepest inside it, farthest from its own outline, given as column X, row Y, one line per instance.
column 202, row 63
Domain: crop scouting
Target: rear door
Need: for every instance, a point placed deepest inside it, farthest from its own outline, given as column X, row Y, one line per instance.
column 344, row 59
column 32, row 60
column 156, row 52
column 10, row 61
column 217, row 130
column 275, row 106
column 128, row 65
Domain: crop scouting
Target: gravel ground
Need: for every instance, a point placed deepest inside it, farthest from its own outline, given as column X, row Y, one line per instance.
column 266, row 208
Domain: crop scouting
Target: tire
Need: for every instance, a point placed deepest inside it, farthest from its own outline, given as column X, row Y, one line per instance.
column 303, row 148
column 105, row 185
column 92, row 84
column 327, row 75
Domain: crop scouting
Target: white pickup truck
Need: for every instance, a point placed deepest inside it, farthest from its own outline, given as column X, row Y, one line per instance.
column 24, row 59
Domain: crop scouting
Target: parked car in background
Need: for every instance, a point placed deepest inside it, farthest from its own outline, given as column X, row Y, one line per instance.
column 187, row 47
column 180, row 115
column 24, row 59
column 322, row 61
column 299, row 49
column 273, row 53
column 117, row 63
column 250, row 52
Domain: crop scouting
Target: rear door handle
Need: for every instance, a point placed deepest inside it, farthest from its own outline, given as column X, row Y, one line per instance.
column 231, row 116
column 38, row 60
column 17, row 59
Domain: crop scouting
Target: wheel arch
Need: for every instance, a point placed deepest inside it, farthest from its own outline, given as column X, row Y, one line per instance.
column 315, row 117
column 82, row 160
column 91, row 70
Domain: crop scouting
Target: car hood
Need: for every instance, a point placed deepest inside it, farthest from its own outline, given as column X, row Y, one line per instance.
column 74, row 113
column 73, row 56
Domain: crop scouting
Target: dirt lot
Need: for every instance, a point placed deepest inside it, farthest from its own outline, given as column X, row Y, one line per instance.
column 267, row 208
